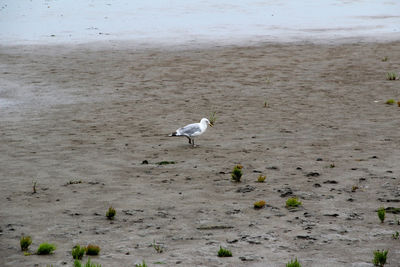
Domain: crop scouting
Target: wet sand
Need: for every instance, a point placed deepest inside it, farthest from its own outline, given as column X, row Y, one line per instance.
column 79, row 120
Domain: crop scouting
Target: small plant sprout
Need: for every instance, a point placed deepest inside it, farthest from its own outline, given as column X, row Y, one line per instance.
column 212, row 118
column 354, row 188
column 77, row 252
column 158, row 248
column 293, row 202
column 261, row 178
column 391, row 76
column 380, row 258
column 237, row 173
column 396, row 235
column 293, row 263
column 332, row 165
column 110, row 213
column 25, row 242
column 143, row 264
column 384, row 59
column 398, row 103
column 45, row 249
column 390, row 101
column 34, row 183
column 381, row 214
column 222, row 252
column 259, row 204
column 265, row 104
column 77, row 263
column 92, row 250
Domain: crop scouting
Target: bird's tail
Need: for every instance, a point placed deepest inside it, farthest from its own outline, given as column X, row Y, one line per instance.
column 173, row 134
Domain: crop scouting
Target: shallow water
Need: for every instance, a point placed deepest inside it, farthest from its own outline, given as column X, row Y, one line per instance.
column 188, row 21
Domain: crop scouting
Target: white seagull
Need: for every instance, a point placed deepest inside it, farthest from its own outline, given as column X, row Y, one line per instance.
column 192, row 130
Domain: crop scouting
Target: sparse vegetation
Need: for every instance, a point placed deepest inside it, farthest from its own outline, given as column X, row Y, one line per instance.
column 398, row 103
column 25, row 242
column 380, row 258
column 381, row 214
column 391, row 76
column 261, row 178
column 293, row 202
column 34, row 187
column 265, row 104
column 396, row 235
column 92, row 250
column 77, row 263
column 332, row 165
column 390, row 101
column 158, row 248
column 143, row 264
column 293, row 263
column 110, row 214
column 354, row 188
column 237, row 173
column 78, row 252
column 45, row 249
column 384, row 59
column 212, row 118
column 259, row 204
column 222, row 252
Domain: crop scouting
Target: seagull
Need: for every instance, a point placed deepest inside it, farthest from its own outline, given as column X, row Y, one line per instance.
column 193, row 130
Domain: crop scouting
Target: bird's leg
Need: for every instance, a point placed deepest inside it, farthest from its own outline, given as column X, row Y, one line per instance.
column 190, row 140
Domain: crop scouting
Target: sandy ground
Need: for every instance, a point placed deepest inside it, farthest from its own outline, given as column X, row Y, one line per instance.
column 93, row 114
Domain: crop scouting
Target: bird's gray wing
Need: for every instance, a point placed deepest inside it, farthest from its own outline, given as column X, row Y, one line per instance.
column 189, row 130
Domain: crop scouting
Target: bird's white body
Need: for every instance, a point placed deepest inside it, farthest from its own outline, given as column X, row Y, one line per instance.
column 192, row 130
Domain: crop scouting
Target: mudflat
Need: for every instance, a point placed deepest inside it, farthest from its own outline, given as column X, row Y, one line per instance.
column 80, row 122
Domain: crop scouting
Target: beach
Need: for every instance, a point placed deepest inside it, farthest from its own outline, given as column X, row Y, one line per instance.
column 87, row 125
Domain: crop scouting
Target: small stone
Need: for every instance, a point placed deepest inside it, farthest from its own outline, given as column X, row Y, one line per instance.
column 312, row 174
column 145, row 161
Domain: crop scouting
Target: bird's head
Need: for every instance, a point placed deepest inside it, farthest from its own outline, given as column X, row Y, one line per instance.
column 207, row 121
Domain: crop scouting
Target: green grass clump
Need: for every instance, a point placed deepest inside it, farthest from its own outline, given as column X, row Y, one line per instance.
column 92, row 250
column 45, row 249
column 222, row 252
column 261, row 178
column 293, row 202
column 25, row 242
column 391, row 76
column 111, row 213
column 77, row 263
column 237, row 173
column 212, row 118
column 380, row 258
column 396, row 235
column 293, row 263
column 78, row 252
column 381, row 214
column 143, row 264
column 259, row 204
column 390, row 101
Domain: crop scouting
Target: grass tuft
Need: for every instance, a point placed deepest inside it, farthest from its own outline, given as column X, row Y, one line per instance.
column 222, row 252
column 212, row 118
column 45, row 249
column 261, row 178
column 237, row 173
column 25, row 242
column 380, row 258
column 391, row 76
column 92, row 250
column 143, row 264
column 77, row 263
column 259, row 204
column 78, row 252
column 293, row 263
column 381, row 214
column 390, row 102
column 293, row 202
column 110, row 214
